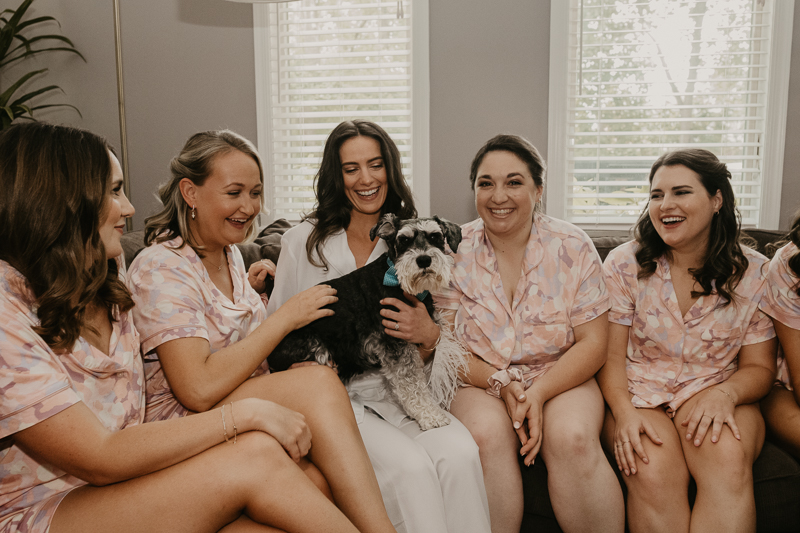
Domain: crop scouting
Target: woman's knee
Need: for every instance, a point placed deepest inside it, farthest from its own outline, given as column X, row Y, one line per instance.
column 659, row 479
column 725, row 464
column 252, row 455
column 491, row 433
column 571, row 442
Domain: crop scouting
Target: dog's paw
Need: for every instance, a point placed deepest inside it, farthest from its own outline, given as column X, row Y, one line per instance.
column 433, row 420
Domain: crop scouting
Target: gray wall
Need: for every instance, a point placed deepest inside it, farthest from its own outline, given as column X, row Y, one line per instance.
column 189, row 67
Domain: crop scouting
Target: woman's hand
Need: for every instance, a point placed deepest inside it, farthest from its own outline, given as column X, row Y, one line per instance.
column 629, row 426
column 288, row 427
column 258, row 272
column 525, row 411
column 308, row 306
column 712, row 410
column 411, row 323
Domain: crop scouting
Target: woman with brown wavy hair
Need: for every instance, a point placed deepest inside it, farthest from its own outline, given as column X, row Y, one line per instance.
column 781, row 408
column 688, row 353
column 75, row 453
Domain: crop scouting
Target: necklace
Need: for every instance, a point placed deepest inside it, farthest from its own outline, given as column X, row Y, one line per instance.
column 219, row 267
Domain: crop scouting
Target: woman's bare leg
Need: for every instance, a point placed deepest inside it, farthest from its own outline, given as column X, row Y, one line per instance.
column 337, row 449
column 584, row 490
column 782, row 416
column 723, row 472
column 658, row 499
column 206, row 493
column 488, row 421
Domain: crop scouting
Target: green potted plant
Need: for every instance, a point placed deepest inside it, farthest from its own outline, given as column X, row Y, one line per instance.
column 16, row 44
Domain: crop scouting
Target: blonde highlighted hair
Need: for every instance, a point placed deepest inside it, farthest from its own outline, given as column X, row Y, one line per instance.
column 195, row 163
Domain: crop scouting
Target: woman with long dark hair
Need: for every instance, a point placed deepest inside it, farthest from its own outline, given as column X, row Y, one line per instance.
column 781, row 408
column 689, row 353
column 75, row 453
column 431, row 480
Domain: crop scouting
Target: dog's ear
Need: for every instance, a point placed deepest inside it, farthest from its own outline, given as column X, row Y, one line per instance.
column 452, row 232
column 386, row 228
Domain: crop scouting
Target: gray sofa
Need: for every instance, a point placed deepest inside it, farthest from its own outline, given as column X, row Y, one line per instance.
column 776, row 473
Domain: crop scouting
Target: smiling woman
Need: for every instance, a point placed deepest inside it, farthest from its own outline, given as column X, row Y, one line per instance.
column 689, row 353
column 206, row 335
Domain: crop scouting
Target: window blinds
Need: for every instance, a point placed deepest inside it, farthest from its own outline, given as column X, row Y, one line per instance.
column 330, row 61
column 647, row 77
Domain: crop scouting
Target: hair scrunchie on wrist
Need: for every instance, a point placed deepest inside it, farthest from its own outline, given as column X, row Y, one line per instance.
column 502, row 378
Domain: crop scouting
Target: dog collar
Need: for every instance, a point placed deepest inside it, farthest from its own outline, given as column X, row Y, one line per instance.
column 390, row 279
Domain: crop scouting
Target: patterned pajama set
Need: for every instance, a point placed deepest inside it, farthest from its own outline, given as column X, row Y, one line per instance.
column 673, row 357
column 36, row 384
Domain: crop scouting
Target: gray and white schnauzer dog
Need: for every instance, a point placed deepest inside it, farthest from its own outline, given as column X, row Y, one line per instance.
column 354, row 340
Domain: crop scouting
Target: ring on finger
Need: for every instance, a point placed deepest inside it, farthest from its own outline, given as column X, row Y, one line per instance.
column 397, row 326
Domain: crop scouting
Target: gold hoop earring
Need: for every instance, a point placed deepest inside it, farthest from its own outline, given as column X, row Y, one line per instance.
column 194, row 212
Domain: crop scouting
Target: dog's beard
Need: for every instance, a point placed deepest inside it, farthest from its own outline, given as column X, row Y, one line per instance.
column 415, row 280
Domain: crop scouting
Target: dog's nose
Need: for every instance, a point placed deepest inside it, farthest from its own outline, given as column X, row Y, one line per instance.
column 423, row 261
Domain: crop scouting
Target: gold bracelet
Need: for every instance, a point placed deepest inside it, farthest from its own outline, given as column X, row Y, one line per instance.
column 224, row 428
column 235, row 431
column 435, row 344
column 726, row 394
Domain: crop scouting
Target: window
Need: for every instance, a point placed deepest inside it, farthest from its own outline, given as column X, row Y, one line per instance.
column 319, row 62
column 631, row 80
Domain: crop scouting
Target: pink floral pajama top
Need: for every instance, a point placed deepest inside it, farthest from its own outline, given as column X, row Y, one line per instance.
column 781, row 301
column 175, row 298
column 561, row 287
column 673, row 357
column 37, row 383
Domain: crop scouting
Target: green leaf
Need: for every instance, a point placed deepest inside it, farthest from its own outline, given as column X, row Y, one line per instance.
column 57, row 105
column 31, row 22
column 34, row 52
column 6, row 96
column 14, row 46
column 10, row 29
column 28, row 96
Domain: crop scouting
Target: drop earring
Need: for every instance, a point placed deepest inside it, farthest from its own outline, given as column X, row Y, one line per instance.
column 194, row 213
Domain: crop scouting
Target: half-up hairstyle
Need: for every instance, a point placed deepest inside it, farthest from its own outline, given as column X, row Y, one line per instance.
column 195, row 163
column 794, row 261
column 332, row 211
column 54, row 189
column 724, row 263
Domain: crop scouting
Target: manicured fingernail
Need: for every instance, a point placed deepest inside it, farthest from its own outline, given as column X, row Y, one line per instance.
column 645, row 461
column 517, row 425
column 697, row 442
column 633, row 470
column 522, row 397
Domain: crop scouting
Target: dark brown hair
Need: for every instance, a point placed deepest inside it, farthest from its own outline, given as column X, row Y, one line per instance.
column 724, row 263
column 54, row 186
column 520, row 147
column 332, row 212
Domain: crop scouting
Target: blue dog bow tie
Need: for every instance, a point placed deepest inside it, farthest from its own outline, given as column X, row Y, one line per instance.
column 390, row 280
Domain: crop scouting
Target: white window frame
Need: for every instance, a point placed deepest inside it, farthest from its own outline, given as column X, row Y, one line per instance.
column 775, row 128
column 420, row 106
